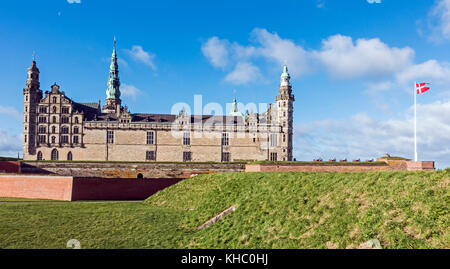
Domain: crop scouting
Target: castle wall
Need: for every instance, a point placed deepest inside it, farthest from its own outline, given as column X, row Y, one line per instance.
column 128, row 170
column 67, row 188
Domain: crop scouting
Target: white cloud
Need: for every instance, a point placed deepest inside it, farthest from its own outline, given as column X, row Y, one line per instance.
column 439, row 21
column 429, row 71
column 140, row 55
column 244, row 73
column 269, row 47
column 276, row 49
column 10, row 111
column 340, row 55
column 10, row 144
column 74, row 1
column 216, row 51
column 364, row 137
column 130, row 91
column 367, row 57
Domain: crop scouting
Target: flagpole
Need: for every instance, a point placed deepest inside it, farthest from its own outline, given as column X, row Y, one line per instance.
column 415, row 122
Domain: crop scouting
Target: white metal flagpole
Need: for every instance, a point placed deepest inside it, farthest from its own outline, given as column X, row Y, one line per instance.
column 415, row 122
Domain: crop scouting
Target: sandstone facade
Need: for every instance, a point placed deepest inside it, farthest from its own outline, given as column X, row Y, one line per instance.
column 58, row 128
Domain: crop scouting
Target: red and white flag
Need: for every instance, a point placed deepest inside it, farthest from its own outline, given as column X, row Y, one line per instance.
column 421, row 87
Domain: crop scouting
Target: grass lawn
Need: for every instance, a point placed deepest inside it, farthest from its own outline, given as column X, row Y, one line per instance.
column 274, row 210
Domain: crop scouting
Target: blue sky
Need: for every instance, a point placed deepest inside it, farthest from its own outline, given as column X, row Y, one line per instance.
column 353, row 64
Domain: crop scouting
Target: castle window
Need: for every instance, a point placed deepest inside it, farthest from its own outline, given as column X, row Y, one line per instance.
column 39, row 156
column 69, row 156
column 254, row 139
column 54, row 109
column 273, row 140
column 54, row 156
column 26, row 109
column 150, row 155
column 150, row 138
column 26, row 98
column 273, row 156
column 225, row 156
column 25, row 138
column 65, row 120
column 225, row 139
column 76, row 119
column 42, row 139
column 54, row 119
column 64, row 139
column 26, row 118
column 284, row 113
column 75, row 130
column 75, row 139
column 53, row 129
column 65, row 130
column 53, row 140
column 42, row 130
column 42, row 109
column 186, row 138
column 187, row 156
column 65, row 110
column 110, row 137
column 54, row 101
column 284, row 138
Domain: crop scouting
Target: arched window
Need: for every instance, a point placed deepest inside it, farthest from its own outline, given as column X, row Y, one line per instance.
column 69, row 156
column 54, row 109
column 39, row 156
column 54, row 155
column 54, row 100
column 76, row 119
column 54, row 119
column 75, row 130
column 53, row 139
column 53, row 129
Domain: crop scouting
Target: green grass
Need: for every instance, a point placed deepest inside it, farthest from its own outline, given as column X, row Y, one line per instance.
column 274, row 210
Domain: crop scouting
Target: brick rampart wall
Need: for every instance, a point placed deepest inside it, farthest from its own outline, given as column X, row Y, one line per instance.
column 42, row 187
column 314, row 168
column 71, row 189
column 9, row 167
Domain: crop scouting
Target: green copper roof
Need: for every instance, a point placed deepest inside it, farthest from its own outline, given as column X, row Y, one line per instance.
column 113, row 91
column 234, row 109
column 285, row 73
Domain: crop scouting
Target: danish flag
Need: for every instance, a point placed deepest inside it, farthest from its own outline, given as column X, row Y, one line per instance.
column 421, row 87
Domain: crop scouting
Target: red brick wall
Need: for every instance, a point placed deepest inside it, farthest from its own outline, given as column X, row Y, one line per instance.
column 314, row 168
column 9, row 167
column 43, row 187
column 118, row 189
column 71, row 189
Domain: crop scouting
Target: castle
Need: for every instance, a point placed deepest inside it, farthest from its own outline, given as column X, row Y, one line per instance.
column 58, row 128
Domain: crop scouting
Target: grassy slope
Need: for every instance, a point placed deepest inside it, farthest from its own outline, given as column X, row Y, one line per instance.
column 274, row 210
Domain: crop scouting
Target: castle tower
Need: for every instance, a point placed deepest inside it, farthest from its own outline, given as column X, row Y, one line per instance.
column 285, row 101
column 113, row 101
column 32, row 95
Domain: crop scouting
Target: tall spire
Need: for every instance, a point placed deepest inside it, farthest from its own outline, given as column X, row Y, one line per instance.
column 113, row 91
